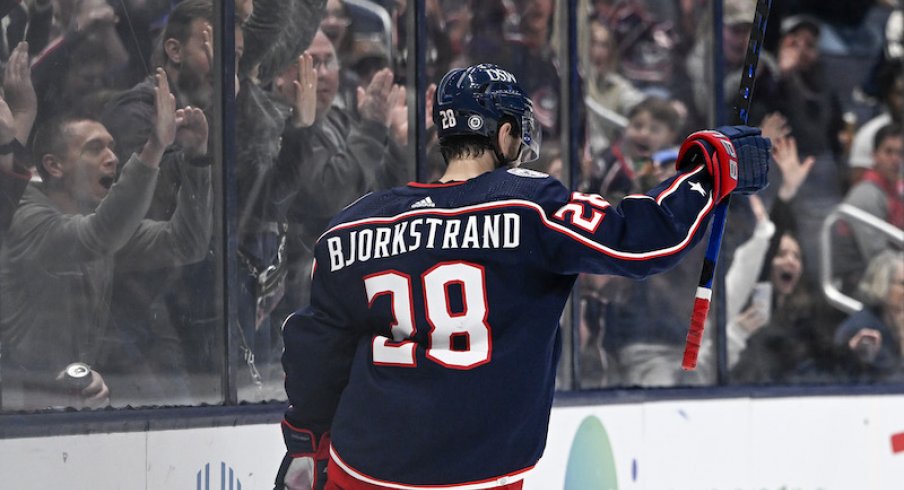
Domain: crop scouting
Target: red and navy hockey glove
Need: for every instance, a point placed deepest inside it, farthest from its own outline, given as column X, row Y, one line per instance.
column 304, row 465
column 736, row 157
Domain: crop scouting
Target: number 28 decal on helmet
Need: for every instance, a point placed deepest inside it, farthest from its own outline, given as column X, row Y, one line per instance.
column 477, row 100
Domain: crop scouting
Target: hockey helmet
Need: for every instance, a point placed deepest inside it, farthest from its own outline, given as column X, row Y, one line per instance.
column 474, row 101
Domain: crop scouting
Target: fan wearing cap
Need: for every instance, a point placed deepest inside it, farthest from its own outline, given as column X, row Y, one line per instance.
column 427, row 357
column 737, row 20
column 799, row 43
column 795, row 86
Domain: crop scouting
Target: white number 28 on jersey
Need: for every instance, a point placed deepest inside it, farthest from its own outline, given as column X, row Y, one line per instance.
column 457, row 340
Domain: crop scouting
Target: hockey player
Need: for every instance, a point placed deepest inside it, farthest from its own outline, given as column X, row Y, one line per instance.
column 427, row 357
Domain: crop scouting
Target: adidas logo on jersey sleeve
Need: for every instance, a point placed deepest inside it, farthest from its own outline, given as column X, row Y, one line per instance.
column 526, row 172
column 426, row 202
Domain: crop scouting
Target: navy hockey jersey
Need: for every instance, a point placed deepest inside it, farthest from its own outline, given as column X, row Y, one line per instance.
column 431, row 342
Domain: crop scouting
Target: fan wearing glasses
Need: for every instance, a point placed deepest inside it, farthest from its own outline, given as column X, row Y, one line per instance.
column 341, row 153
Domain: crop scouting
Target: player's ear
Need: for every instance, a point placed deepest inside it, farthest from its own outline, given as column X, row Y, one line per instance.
column 504, row 136
column 512, row 142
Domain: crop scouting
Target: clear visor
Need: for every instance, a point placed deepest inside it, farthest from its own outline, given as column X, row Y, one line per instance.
column 531, row 136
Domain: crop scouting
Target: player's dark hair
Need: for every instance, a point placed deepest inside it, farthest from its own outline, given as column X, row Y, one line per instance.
column 51, row 138
column 471, row 146
column 659, row 109
column 890, row 130
column 459, row 147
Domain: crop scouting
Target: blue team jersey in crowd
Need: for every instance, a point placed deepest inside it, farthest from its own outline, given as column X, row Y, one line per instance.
column 430, row 346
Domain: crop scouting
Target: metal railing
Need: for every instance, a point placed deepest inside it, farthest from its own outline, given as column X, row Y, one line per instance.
column 849, row 213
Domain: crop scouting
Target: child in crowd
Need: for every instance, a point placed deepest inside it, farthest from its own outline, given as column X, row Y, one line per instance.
column 628, row 167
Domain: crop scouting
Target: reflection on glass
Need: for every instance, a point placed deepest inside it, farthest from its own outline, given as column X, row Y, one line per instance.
column 108, row 263
column 110, row 294
column 322, row 121
column 632, row 333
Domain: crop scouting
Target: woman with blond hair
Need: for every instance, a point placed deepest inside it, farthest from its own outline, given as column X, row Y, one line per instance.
column 874, row 336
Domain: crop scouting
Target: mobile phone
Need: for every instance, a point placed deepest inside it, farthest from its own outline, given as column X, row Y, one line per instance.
column 761, row 299
column 867, row 349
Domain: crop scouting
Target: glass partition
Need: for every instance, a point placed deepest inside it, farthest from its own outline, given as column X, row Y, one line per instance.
column 138, row 269
column 111, row 284
column 814, row 103
column 640, row 63
column 298, row 165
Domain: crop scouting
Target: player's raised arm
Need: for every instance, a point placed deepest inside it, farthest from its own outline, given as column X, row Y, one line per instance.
column 648, row 233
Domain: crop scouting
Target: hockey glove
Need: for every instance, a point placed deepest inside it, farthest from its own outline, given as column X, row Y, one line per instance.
column 736, row 157
column 304, row 465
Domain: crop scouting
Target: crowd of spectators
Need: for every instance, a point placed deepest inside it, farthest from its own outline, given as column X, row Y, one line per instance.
column 112, row 256
column 837, row 139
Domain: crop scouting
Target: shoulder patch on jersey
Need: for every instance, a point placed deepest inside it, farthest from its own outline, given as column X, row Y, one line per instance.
column 526, row 172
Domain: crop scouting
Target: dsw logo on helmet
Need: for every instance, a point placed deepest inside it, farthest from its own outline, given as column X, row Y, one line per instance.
column 500, row 75
column 475, row 101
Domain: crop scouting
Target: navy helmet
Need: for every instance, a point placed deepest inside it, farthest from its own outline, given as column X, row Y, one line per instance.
column 475, row 101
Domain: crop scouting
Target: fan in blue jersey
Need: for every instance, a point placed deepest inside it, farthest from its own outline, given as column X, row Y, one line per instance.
column 427, row 357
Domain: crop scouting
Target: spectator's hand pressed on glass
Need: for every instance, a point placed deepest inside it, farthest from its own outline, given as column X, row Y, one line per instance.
column 398, row 116
column 305, row 108
column 380, row 96
column 187, row 127
column 7, row 123
column 398, row 113
column 163, row 131
column 428, row 111
column 192, row 131
column 19, row 91
column 207, row 36
column 7, row 134
column 794, row 172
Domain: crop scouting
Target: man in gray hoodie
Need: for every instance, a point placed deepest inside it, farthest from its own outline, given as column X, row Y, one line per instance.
column 70, row 230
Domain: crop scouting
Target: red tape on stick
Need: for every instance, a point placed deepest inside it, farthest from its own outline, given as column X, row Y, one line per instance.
column 695, row 333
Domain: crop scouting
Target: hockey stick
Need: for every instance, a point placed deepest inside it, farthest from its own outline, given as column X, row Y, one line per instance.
column 705, row 286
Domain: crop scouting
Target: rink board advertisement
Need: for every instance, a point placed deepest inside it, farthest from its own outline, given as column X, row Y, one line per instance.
column 819, row 443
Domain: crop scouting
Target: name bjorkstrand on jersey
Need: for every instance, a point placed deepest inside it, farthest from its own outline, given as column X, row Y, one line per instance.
column 492, row 231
